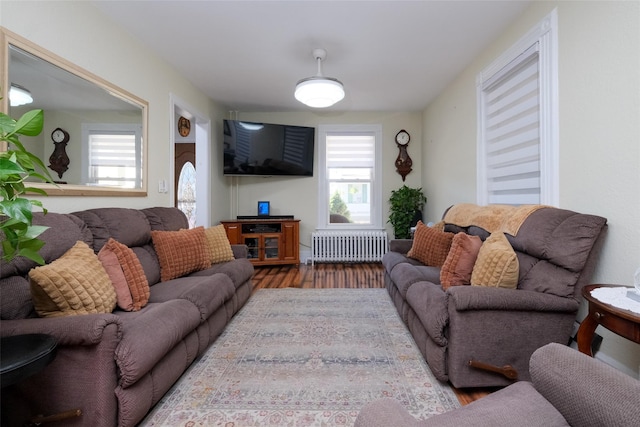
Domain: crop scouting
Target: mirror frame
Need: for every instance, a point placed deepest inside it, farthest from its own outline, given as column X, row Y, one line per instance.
column 8, row 38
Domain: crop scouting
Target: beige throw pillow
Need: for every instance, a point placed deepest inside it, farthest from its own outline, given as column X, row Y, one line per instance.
column 497, row 264
column 218, row 244
column 75, row 283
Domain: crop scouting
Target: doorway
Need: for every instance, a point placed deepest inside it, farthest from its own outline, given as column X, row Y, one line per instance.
column 185, row 181
column 191, row 163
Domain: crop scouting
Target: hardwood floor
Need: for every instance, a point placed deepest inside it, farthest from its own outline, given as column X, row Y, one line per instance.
column 328, row 276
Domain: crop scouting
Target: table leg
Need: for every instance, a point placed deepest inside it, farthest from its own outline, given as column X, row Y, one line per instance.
column 585, row 334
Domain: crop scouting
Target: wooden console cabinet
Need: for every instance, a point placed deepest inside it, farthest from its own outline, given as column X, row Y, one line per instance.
column 270, row 241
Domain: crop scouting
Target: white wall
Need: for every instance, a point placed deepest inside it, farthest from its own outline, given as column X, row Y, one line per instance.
column 599, row 87
column 298, row 196
column 77, row 32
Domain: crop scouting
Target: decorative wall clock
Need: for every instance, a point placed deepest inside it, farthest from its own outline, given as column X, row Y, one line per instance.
column 59, row 161
column 184, row 126
column 403, row 162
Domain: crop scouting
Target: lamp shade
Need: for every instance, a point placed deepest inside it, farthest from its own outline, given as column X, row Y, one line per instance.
column 319, row 92
column 19, row 96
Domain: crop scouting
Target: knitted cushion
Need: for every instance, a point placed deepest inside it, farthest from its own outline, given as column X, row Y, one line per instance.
column 218, row 244
column 430, row 246
column 75, row 283
column 126, row 274
column 497, row 264
column 458, row 266
column 181, row 252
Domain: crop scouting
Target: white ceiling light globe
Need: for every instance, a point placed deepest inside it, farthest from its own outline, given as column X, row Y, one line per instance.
column 319, row 92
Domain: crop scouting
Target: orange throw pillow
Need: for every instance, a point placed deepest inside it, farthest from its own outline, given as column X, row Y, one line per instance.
column 430, row 246
column 458, row 266
column 181, row 252
column 126, row 274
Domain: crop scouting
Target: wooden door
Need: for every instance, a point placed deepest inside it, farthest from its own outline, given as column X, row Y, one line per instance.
column 183, row 153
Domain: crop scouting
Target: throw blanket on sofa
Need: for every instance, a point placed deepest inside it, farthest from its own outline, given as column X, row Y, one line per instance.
column 505, row 218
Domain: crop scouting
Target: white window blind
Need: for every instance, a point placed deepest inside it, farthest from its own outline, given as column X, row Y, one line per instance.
column 518, row 122
column 113, row 155
column 512, row 139
column 351, row 151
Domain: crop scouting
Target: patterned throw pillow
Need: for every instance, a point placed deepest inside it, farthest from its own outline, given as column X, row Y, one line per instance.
column 75, row 283
column 430, row 246
column 181, row 252
column 218, row 244
column 126, row 274
column 458, row 266
column 497, row 264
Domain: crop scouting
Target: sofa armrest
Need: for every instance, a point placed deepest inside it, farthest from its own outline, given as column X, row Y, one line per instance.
column 400, row 245
column 71, row 330
column 465, row 298
column 240, row 251
column 585, row 390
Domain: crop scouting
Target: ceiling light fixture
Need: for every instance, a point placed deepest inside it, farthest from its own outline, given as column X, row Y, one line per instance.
column 319, row 91
column 19, row 95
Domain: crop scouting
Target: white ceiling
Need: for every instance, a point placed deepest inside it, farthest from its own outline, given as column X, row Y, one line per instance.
column 248, row 55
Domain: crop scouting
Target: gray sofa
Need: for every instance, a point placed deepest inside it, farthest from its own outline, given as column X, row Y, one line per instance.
column 114, row 367
column 568, row 388
column 556, row 250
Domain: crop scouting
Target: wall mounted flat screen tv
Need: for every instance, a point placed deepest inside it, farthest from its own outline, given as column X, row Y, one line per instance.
column 267, row 149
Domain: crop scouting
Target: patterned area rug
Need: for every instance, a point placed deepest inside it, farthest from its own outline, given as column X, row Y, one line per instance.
column 305, row 357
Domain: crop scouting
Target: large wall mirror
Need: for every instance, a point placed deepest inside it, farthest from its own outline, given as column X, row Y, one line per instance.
column 99, row 148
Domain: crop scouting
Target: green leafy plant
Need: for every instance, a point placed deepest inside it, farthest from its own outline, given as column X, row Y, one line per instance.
column 405, row 202
column 338, row 206
column 16, row 166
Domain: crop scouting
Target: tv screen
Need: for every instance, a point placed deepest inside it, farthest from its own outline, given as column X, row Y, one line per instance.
column 267, row 149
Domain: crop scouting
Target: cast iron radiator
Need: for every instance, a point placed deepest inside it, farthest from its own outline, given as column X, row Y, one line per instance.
column 348, row 246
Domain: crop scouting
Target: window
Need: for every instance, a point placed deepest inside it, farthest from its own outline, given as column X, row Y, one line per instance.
column 111, row 155
column 517, row 122
column 187, row 192
column 349, row 169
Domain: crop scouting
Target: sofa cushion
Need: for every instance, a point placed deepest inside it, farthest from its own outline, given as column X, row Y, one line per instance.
column 126, row 274
column 461, row 258
column 557, row 243
column 218, row 243
column 497, row 263
column 149, row 334
column 75, row 283
column 207, row 293
column 165, row 218
column 430, row 246
column 128, row 226
column 181, row 252
column 238, row 270
column 429, row 302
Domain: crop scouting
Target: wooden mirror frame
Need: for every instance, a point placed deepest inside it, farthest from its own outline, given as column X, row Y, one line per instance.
column 8, row 38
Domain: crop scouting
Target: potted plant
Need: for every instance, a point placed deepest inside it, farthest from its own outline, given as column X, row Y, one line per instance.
column 19, row 235
column 406, row 204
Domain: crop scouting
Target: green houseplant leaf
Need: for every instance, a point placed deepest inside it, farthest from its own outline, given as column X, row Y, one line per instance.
column 404, row 203
column 17, row 165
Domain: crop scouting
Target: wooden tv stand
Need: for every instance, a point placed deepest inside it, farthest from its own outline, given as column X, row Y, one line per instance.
column 270, row 241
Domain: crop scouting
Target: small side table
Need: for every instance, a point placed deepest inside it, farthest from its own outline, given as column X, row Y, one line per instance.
column 622, row 322
column 24, row 355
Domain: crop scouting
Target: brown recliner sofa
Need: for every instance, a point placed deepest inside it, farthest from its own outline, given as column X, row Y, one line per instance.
column 114, row 367
column 568, row 388
column 492, row 328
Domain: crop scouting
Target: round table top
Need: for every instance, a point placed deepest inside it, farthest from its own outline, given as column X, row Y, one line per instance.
column 24, row 355
column 625, row 314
